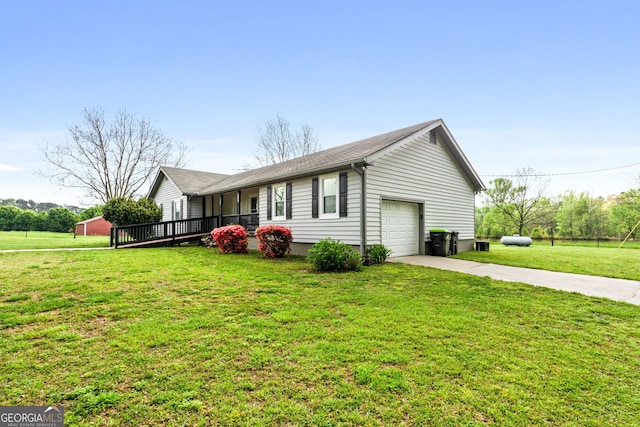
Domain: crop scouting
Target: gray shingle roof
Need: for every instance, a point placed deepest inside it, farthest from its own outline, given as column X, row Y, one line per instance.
column 191, row 182
column 325, row 160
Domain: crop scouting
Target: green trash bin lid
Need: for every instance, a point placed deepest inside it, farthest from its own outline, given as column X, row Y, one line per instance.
column 439, row 230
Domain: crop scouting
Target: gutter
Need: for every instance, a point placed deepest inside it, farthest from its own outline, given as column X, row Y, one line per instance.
column 290, row 176
column 363, row 206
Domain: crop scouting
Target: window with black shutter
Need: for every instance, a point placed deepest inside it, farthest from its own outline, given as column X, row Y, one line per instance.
column 289, row 200
column 314, row 198
column 329, row 196
column 343, row 194
column 269, row 202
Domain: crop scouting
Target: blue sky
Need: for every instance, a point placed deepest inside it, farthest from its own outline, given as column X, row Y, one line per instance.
column 548, row 85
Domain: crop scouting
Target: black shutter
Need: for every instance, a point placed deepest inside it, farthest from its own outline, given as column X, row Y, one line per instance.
column 314, row 198
column 268, row 202
column 289, row 201
column 343, row 194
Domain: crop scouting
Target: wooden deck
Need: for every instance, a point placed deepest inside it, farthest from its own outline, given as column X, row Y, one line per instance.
column 163, row 242
column 166, row 233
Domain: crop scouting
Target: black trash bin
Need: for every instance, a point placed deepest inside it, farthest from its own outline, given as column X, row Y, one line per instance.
column 454, row 243
column 440, row 241
column 428, row 244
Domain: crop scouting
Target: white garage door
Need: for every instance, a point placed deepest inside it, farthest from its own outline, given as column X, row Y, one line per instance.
column 400, row 227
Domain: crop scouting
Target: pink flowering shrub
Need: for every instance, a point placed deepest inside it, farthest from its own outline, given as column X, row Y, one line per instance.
column 231, row 239
column 274, row 241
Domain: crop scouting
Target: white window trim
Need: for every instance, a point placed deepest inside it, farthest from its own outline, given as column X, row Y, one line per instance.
column 177, row 209
column 274, row 204
column 321, row 214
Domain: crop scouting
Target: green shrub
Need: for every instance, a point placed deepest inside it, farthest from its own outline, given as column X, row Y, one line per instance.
column 122, row 211
column 333, row 255
column 376, row 254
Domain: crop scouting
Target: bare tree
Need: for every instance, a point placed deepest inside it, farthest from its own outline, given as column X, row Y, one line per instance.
column 307, row 140
column 276, row 143
column 521, row 200
column 111, row 159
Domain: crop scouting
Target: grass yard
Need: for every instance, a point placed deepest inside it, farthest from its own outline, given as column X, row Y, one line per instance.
column 186, row 336
column 604, row 261
column 49, row 240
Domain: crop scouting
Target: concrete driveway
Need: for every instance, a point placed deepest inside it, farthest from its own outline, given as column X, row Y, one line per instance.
column 616, row 289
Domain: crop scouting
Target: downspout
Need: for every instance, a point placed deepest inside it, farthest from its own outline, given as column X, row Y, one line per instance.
column 363, row 207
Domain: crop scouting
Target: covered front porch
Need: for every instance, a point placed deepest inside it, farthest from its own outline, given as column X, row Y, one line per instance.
column 237, row 207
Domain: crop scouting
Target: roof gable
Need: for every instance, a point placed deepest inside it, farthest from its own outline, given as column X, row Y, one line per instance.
column 189, row 182
column 95, row 218
column 356, row 152
column 361, row 153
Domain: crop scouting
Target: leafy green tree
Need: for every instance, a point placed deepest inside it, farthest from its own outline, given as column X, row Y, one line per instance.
column 60, row 220
column 519, row 200
column 566, row 216
column 89, row 213
column 8, row 215
column 39, row 221
column 581, row 216
column 625, row 213
column 599, row 218
column 492, row 222
column 545, row 223
column 126, row 211
column 25, row 220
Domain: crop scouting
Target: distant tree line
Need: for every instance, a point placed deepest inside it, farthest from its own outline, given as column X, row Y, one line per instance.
column 56, row 219
column 36, row 206
column 512, row 208
column 118, row 211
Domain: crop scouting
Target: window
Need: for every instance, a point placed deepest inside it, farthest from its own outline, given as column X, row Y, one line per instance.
column 254, row 205
column 177, row 209
column 279, row 201
column 328, row 197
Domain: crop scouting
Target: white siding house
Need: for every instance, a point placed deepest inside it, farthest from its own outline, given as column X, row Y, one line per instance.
column 424, row 173
column 387, row 189
column 307, row 229
column 176, row 192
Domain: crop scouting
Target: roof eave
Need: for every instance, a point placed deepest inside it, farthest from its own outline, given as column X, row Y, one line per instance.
column 359, row 162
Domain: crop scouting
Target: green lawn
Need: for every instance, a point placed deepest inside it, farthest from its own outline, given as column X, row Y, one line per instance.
column 185, row 336
column 49, row 240
column 621, row 263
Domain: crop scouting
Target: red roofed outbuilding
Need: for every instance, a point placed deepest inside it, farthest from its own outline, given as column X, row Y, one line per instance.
column 97, row 226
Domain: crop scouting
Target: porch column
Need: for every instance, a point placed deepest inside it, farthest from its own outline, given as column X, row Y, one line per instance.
column 220, row 203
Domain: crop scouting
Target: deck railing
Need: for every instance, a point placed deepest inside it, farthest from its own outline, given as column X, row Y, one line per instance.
column 249, row 221
column 166, row 232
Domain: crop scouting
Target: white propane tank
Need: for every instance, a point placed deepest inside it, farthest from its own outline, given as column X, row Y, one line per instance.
column 516, row 240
